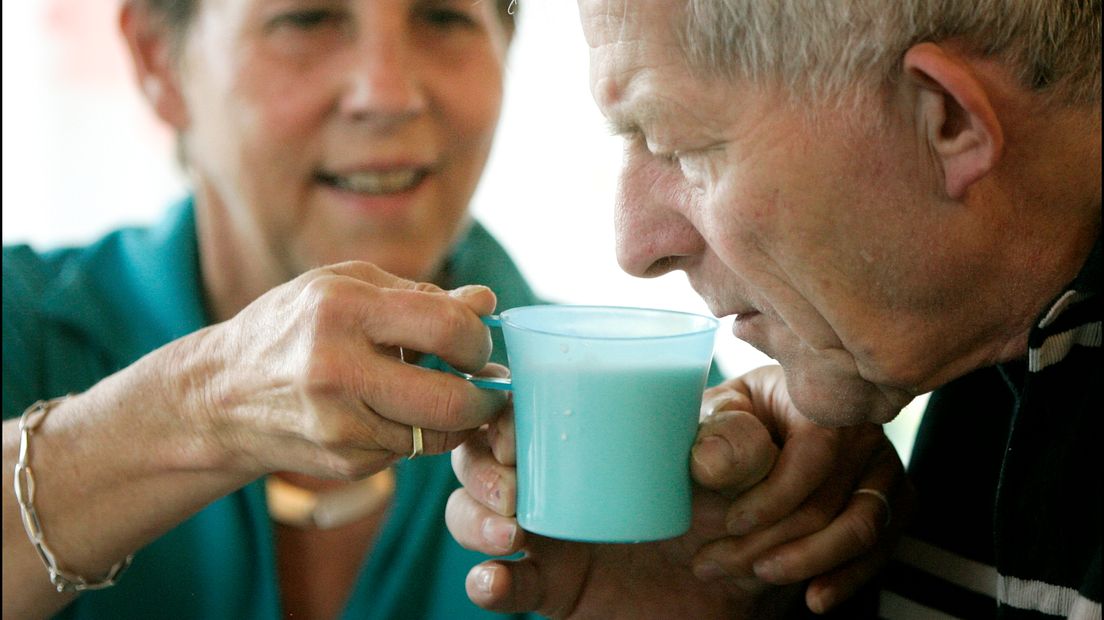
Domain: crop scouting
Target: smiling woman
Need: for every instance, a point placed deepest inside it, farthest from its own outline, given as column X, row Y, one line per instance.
column 331, row 151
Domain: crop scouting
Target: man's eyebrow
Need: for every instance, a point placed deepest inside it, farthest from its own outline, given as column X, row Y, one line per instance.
column 635, row 117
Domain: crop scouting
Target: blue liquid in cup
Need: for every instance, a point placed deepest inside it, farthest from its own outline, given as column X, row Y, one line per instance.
column 606, row 405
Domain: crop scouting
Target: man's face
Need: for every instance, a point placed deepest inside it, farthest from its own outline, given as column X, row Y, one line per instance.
column 830, row 242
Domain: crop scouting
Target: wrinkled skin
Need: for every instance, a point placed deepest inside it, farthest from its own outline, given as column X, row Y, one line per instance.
column 773, row 507
column 311, row 382
column 856, row 246
column 871, row 248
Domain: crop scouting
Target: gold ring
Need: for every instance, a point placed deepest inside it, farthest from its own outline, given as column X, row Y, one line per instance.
column 416, row 435
column 415, row 431
column 882, row 498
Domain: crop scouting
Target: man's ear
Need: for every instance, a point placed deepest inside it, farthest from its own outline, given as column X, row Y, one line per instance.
column 960, row 124
column 149, row 41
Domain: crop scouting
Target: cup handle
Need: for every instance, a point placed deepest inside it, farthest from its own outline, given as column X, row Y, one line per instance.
column 487, row 383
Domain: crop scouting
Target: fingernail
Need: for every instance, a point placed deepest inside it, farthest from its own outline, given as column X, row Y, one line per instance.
column 468, row 289
column 484, row 579
column 742, row 523
column 494, row 370
column 724, row 402
column 713, row 454
column 709, row 570
column 493, row 493
column 818, row 600
column 768, row 569
column 498, row 533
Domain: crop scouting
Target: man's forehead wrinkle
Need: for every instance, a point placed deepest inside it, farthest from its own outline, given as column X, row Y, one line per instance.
column 638, row 71
column 605, row 24
column 624, row 32
column 620, row 21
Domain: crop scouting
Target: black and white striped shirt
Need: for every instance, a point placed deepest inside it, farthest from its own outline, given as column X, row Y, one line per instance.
column 1007, row 464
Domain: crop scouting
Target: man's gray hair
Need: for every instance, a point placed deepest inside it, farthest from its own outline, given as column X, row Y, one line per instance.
column 831, row 50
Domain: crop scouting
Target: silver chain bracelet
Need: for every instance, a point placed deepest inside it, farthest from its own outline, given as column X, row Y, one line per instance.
column 25, row 494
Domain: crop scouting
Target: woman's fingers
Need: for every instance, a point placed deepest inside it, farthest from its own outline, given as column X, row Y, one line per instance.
column 308, row 376
column 410, row 394
column 357, row 325
column 375, row 403
column 436, row 322
column 479, row 298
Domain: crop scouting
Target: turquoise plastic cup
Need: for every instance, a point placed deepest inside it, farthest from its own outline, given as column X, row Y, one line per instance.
column 606, row 404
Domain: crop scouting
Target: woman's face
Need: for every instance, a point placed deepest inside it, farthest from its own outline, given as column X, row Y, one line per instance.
column 320, row 131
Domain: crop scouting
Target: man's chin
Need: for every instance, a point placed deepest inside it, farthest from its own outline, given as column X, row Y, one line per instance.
column 833, row 401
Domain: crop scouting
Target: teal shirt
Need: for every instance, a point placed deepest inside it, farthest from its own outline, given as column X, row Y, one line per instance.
column 74, row 316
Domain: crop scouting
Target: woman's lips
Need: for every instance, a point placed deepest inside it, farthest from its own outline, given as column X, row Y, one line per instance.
column 375, row 182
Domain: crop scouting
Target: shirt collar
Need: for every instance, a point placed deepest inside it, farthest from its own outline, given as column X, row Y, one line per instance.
column 135, row 289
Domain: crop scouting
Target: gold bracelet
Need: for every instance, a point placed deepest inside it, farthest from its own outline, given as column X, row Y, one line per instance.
column 25, row 494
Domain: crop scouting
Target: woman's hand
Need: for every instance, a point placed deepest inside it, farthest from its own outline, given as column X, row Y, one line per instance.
column 775, row 507
column 308, row 378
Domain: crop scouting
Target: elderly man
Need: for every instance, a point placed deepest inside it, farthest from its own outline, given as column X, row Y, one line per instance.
column 892, row 198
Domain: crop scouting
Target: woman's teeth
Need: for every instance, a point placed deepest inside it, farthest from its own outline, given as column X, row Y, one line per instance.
column 389, row 182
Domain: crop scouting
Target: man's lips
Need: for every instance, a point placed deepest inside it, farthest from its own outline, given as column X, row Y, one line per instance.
column 745, row 327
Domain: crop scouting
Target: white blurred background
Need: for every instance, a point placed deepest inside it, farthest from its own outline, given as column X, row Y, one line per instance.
column 82, row 155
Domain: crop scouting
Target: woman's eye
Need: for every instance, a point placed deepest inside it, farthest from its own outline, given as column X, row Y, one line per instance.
column 448, row 18
column 308, row 19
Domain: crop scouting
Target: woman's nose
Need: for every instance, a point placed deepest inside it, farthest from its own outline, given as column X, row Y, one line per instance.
column 654, row 235
column 383, row 84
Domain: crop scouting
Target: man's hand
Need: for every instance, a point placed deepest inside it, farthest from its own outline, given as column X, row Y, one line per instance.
column 775, row 506
column 795, row 514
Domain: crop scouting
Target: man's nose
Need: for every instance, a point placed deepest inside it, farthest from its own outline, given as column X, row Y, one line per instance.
column 654, row 235
column 383, row 84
